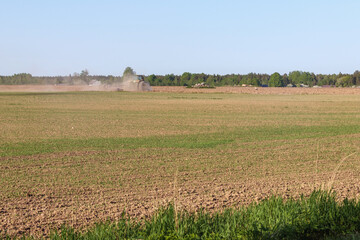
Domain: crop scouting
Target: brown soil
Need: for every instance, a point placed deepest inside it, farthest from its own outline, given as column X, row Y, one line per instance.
column 53, row 88
column 46, row 208
column 260, row 90
column 245, row 90
column 78, row 188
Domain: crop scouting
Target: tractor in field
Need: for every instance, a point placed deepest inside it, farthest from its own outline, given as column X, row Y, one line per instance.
column 136, row 83
column 139, row 84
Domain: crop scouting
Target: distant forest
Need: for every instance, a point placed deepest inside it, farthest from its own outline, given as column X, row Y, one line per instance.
column 295, row 78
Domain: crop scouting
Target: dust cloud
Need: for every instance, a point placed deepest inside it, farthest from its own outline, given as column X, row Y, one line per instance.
column 134, row 83
column 127, row 83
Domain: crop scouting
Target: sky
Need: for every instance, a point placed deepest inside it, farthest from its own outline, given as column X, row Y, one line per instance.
column 51, row 38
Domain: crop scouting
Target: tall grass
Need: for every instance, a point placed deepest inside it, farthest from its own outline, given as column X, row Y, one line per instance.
column 318, row 216
column 331, row 182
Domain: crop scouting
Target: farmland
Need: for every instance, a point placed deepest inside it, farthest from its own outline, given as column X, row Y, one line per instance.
column 82, row 157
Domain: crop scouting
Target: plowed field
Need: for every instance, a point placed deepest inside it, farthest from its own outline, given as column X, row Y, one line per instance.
column 177, row 89
column 81, row 157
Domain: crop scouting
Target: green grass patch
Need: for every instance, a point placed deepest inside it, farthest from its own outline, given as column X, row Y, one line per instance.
column 318, row 216
column 190, row 141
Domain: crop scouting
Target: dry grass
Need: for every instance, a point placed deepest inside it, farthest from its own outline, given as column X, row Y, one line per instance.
column 336, row 170
column 82, row 157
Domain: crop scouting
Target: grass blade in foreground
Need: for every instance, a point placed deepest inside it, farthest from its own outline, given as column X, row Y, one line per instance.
column 318, row 216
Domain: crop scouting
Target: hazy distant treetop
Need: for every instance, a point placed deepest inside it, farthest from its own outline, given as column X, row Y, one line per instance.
column 128, row 72
column 84, row 76
column 84, row 73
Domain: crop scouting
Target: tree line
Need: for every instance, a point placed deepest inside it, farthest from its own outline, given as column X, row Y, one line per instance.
column 294, row 78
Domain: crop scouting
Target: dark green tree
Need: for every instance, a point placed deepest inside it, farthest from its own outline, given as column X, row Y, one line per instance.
column 294, row 77
column 356, row 78
column 151, row 79
column 286, row 80
column 276, row 80
column 344, row 81
column 169, row 80
column 251, row 79
column 211, row 81
column 230, row 80
column 184, row 79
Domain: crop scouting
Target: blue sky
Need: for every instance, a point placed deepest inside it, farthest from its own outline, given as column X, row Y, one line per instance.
column 173, row 36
